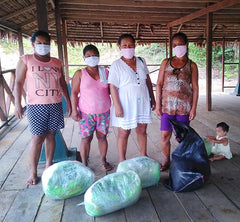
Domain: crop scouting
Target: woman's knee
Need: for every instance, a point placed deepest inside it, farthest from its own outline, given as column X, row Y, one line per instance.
column 87, row 139
column 101, row 136
column 123, row 133
column 141, row 129
column 165, row 136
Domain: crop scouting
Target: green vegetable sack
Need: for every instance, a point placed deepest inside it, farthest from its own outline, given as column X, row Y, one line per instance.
column 66, row 179
column 112, row 192
column 147, row 169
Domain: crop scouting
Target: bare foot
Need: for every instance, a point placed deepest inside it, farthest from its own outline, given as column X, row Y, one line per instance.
column 32, row 180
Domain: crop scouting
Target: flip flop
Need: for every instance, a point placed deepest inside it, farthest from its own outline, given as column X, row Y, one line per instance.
column 107, row 166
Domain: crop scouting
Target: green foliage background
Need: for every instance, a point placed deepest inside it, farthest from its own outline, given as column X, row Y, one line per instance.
column 153, row 54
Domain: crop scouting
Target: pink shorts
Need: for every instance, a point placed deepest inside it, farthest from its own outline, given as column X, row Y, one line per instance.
column 91, row 122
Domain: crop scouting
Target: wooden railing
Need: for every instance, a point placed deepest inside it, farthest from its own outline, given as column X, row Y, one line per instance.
column 7, row 101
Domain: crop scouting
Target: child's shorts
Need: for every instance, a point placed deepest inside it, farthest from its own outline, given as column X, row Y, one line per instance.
column 166, row 125
column 91, row 122
column 45, row 117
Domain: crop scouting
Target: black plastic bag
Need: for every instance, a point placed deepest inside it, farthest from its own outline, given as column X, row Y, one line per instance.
column 190, row 166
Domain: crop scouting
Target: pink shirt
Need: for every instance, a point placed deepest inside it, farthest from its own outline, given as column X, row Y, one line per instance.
column 43, row 85
column 94, row 95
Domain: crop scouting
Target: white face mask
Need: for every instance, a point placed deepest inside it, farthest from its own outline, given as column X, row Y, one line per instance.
column 128, row 53
column 180, row 50
column 42, row 49
column 92, row 61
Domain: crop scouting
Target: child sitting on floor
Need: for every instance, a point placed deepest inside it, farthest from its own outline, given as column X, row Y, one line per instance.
column 221, row 148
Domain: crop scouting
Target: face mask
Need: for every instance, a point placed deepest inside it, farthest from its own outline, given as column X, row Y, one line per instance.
column 128, row 53
column 180, row 50
column 42, row 49
column 92, row 61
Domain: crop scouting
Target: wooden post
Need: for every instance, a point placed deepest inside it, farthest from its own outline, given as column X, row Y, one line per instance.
column 3, row 110
column 58, row 29
column 42, row 15
column 20, row 44
column 64, row 26
column 237, row 88
column 170, row 41
column 209, row 62
column 166, row 47
column 223, row 63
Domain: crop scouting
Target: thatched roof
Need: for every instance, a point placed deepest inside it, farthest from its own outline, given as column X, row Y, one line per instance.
column 105, row 20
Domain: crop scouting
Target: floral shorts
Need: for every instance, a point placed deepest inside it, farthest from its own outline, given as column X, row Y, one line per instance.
column 91, row 122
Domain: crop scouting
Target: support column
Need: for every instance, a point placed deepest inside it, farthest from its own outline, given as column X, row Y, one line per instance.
column 58, row 29
column 166, row 47
column 223, row 63
column 170, row 41
column 42, row 15
column 209, row 62
column 20, row 44
column 237, row 89
column 64, row 26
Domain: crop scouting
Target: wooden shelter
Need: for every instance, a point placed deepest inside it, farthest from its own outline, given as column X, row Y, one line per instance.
column 154, row 21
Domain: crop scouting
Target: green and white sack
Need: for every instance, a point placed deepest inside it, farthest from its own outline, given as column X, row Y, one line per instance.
column 66, row 179
column 147, row 169
column 112, row 192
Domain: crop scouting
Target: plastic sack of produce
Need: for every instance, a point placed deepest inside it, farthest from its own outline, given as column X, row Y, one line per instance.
column 66, row 179
column 112, row 192
column 189, row 166
column 147, row 169
column 208, row 146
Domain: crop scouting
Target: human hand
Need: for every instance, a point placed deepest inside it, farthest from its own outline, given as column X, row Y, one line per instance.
column 18, row 111
column 153, row 105
column 211, row 159
column 119, row 111
column 69, row 109
column 192, row 115
column 76, row 116
column 158, row 110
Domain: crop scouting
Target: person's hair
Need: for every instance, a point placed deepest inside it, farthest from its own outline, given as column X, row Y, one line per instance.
column 125, row 36
column 181, row 35
column 90, row 47
column 40, row 33
column 224, row 126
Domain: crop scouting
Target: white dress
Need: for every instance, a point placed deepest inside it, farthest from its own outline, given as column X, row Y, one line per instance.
column 133, row 93
column 220, row 149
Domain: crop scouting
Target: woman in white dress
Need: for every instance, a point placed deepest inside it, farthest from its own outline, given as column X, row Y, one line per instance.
column 132, row 95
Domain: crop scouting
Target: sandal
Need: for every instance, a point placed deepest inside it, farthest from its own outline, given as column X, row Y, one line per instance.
column 107, row 166
column 164, row 167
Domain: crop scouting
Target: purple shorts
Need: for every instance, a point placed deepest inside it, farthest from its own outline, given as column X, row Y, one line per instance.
column 91, row 122
column 166, row 125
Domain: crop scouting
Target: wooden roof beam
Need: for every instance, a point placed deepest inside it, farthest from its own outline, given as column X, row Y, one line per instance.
column 204, row 11
column 19, row 12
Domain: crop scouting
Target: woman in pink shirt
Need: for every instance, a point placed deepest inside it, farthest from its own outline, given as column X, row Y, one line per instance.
column 45, row 86
column 91, row 104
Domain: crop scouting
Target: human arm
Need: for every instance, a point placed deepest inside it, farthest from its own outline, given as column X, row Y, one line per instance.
column 75, row 89
column 65, row 93
column 159, row 86
column 116, row 101
column 19, row 83
column 195, row 89
column 213, row 139
column 150, row 89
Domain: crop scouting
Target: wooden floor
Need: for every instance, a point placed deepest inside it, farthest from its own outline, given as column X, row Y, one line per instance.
column 218, row 200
